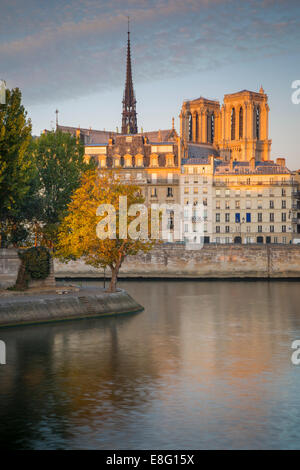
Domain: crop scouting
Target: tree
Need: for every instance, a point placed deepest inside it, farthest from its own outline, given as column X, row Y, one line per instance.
column 15, row 166
column 59, row 162
column 77, row 237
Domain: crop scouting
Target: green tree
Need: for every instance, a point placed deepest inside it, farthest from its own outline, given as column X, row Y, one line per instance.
column 77, row 237
column 59, row 163
column 15, row 166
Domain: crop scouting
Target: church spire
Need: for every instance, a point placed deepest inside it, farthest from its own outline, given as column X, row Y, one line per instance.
column 129, row 120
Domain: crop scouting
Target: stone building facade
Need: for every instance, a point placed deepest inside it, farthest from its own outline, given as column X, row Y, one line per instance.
column 238, row 129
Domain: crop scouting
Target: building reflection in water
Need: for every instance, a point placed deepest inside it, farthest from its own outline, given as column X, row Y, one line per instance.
column 206, row 365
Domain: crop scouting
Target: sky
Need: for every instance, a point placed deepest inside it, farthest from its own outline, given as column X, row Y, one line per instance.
column 71, row 56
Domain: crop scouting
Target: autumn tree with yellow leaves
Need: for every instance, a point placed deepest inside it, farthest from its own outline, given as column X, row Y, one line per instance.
column 78, row 235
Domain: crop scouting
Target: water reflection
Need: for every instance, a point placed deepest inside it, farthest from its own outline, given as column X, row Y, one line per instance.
column 206, row 365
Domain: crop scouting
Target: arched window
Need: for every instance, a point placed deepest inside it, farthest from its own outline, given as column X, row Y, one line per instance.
column 139, row 160
column 190, row 127
column 233, row 124
column 257, row 122
column 241, row 122
column 212, row 127
column 128, row 160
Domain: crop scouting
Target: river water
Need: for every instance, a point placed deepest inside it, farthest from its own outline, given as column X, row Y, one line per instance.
column 206, row 365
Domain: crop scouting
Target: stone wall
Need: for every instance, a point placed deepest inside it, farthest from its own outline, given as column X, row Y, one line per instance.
column 86, row 303
column 212, row 261
column 9, row 266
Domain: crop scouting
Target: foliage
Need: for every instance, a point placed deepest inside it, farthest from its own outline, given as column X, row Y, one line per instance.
column 77, row 234
column 15, row 166
column 35, row 264
column 59, row 163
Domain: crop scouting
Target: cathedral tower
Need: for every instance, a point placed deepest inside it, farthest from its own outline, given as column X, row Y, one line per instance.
column 129, row 119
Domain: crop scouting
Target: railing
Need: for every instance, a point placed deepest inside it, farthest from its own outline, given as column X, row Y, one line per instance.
column 163, row 181
column 254, row 183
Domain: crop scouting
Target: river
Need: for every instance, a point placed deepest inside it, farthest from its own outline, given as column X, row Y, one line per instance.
column 207, row 365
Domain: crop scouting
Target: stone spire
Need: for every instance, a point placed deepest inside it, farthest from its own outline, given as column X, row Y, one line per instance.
column 129, row 120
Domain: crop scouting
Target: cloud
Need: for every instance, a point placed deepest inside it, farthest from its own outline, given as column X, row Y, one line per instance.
column 65, row 50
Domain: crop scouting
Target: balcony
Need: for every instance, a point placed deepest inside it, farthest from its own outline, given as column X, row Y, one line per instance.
column 254, row 183
column 163, row 181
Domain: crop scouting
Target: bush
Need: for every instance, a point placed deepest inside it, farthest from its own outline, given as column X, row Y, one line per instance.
column 35, row 264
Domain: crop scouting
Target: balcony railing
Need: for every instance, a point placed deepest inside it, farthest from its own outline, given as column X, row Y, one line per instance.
column 254, row 183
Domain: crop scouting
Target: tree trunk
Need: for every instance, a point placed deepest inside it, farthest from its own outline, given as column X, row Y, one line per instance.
column 22, row 279
column 114, row 276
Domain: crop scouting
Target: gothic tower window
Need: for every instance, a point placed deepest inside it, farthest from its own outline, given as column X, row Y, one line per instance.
column 241, row 122
column 257, row 122
column 190, row 128
column 233, row 124
column 212, row 127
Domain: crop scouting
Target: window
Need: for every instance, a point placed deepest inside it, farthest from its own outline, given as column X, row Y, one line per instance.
column 217, row 217
column 248, row 204
column 275, row 239
column 169, row 192
column 227, row 240
column 259, row 217
column 237, row 217
column 257, row 122
column 283, row 204
column 169, row 160
column 218, row 192
column 271, row 204
column 248, row 217
column 241, row 123
column 284, row 240
column 128, row 160
column 217, row 228
column 218, row 204
column 186, row 190
column 237, row 204
column 227, row 192
column 283, row 192
column 238, row 193
column 283, row 217
column 283, row 228
column 227, row 204
column 271, row 216
column 205, row 201
column 227, row 229
column 259, row 228
column 195, row 190
column 154, row 177
column 233, row 124
column 227, row 217
column 272, row 228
